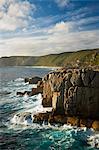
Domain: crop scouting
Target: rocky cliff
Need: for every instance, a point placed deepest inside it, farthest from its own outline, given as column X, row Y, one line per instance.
column 74, row 96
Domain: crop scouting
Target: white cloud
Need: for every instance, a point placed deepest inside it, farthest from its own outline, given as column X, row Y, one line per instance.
column 50, row 42
column 61, row 27
column 62, row 3
column 15, row 15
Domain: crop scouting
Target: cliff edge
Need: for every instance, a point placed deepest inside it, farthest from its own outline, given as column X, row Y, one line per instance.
column 73, row 95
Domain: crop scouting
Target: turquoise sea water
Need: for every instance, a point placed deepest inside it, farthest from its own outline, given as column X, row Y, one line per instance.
column 33, row 136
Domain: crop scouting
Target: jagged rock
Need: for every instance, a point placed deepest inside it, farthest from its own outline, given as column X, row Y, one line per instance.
column 57, row 119
column 31, row 93
column 86, row 123
column 33, row 80
column 57, row 103
column 95, row 125
column 74, row 121
column 90, row 78
column 76, row 78
column 23, row 93
column 72, row 93
column 95, row 80
column 41, row 117
column 36, row 91
column 26, row 80
column 40, row 84
column 47, row 94
column 84, row 103
column 47, row 102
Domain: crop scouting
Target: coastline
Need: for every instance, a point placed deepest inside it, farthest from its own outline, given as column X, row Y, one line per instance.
column 30, row 114
column 72, row 94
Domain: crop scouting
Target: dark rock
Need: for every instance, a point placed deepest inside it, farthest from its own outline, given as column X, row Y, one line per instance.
column 36, row 91
column 60, row 119
column 26, row 80
column 74, row 121
column 20, row 93
column 34, row 80
column 57, row 103
column 84, row 103
column 90, row 78
column 41, row 117
column 47, row 102
column 23, row 93
column 47, row 94
column 73, row 94
column 86, row 123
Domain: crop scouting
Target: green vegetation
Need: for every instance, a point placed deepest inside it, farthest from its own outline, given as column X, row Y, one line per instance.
column 78, row 58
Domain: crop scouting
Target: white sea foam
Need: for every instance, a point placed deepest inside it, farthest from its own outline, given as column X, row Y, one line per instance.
column 19, row 79
column 93, row 140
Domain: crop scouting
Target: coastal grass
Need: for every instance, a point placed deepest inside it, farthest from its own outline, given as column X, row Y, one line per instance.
column 77, row 58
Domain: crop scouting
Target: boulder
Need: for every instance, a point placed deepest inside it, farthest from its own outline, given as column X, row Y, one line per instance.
column 74, row 121
column 26, row 80
column 86, row 123
column 95, row 125
column 33, row 80
column 60, row 119
column 41, row 117
column 36, row 91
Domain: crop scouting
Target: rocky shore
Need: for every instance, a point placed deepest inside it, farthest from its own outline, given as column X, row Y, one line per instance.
column 73, row 95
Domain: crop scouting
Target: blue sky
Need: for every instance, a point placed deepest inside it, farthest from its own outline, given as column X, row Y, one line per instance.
column 40, row 27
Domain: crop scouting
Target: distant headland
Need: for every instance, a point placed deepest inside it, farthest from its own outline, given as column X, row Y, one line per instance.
column 83, row 58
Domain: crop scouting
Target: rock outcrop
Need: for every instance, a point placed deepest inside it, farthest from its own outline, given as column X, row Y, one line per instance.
column 33, row 80
column 34, row 91
column 73, row 95
column 73, row 92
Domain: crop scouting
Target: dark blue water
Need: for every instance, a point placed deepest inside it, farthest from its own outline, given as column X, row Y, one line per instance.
column 32, row 136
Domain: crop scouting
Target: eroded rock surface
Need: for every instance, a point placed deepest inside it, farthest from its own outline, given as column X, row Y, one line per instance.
column 73, row 92
column 73, row 95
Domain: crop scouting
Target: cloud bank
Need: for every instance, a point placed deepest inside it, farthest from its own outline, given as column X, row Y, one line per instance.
column 23, row 34
column 15, row 14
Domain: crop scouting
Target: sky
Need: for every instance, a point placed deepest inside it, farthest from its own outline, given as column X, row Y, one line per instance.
column 41, row 27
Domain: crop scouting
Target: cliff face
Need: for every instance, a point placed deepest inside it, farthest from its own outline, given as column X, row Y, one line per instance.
column 72, row 92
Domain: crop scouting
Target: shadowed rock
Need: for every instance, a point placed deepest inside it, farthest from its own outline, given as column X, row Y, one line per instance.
column 33, row 80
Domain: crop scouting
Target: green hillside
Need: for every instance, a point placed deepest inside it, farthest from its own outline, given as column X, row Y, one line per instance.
column 78, row 58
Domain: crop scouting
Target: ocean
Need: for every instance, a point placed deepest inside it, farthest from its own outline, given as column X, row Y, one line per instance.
column 20, row 135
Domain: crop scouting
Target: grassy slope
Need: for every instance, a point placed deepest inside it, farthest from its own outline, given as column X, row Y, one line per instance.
column 85, row 57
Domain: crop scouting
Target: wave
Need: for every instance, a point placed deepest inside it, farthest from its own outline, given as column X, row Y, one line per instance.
column 5, row 93
column 85, row 135
column 19, row 79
